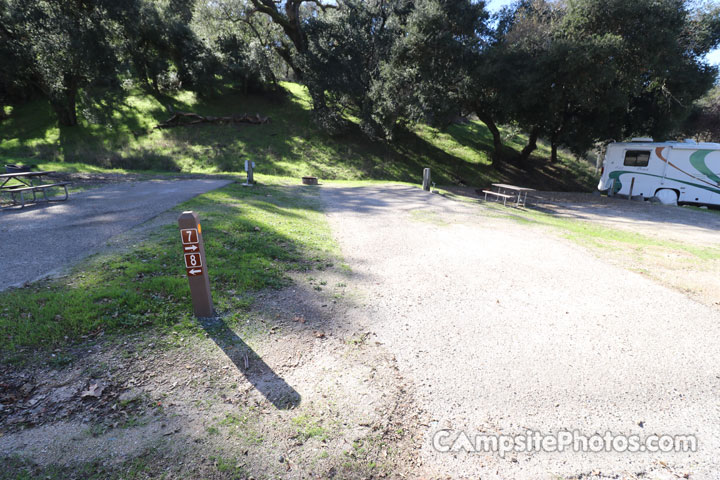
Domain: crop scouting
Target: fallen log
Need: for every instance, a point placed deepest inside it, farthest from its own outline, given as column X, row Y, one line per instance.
column 179, row 119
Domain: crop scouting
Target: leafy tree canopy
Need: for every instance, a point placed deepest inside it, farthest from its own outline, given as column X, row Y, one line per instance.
column 587, row 70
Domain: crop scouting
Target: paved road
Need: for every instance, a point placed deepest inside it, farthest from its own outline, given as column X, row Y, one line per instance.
column 504, row 329
column 39, row 240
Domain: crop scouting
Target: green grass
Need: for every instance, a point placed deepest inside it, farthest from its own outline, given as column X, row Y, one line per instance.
column 17, row 468
column 586, row 233
column 231, row 468
column 714, row 211
column 120, row 139
column 242, row 426
column 147, row 285
column 306, row 428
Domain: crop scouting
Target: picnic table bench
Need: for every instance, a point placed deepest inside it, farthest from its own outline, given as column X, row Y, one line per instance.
column 29, row 183
column 505, row 191
column 499, row 195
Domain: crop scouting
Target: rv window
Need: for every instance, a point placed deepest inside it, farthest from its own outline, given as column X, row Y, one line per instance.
column 637, row 158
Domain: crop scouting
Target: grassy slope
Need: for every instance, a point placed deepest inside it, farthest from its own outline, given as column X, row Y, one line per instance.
column 289, row 146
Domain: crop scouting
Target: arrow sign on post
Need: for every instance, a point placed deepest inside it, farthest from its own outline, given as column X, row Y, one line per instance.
column 195, row 264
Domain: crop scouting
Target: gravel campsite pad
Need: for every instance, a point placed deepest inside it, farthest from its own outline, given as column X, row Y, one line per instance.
column 441, row 317
column 503, row 328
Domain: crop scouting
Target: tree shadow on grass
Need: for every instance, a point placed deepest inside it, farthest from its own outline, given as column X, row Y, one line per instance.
column 472, row 135
column 291, row 144
column 446, row 168
column 258, row 373
column 28, row 126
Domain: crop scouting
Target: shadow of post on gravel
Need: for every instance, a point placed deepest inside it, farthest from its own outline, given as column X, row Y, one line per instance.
column 258, row 373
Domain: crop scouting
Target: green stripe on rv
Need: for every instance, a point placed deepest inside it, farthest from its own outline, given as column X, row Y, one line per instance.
column 618, row 184
column 697, row 160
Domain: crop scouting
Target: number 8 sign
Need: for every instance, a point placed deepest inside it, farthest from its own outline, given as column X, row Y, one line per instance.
column 193, row 260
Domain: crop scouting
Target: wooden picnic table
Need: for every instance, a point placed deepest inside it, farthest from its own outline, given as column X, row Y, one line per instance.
column 23, row 177
column 29, row 182
column 519, row 193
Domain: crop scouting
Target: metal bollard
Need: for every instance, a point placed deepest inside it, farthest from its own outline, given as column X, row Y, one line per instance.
column 426, row 180
column 249, row 166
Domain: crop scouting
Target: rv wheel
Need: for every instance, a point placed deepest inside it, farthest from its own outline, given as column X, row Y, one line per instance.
column 667, row 196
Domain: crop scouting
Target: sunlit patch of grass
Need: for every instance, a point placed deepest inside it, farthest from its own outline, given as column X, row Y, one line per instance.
column 445, row 141
column 299, row 94
column 426, row 216
column 587, row 233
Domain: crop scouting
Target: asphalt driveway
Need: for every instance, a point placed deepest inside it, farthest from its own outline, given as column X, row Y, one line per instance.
column 42, row 239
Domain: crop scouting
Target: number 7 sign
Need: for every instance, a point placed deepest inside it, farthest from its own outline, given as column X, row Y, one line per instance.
column 189, row 236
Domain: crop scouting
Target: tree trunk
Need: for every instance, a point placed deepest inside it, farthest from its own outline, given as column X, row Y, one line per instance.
column 291, row 24
column 553, row 152
column 286, row 55
column 153, row 84
column 497, row 139
column 65, row 109
column 318, row 99
column 530, row 147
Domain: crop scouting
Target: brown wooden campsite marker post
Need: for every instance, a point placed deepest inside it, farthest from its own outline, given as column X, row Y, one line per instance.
column 195, row 264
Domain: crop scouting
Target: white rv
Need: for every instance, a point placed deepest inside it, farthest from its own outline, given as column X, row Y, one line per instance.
column 672, row 172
